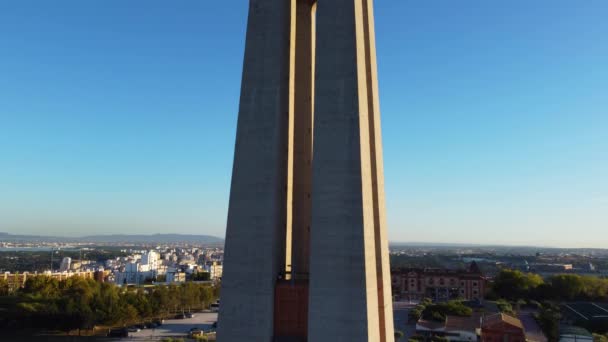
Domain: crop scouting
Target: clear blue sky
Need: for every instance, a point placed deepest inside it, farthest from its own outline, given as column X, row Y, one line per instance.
column 120, row 117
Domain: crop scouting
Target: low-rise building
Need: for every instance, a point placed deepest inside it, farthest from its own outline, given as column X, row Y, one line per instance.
column 454, row 328
column 175, row 276
column 501, row 327
column 438, row 284
column 215, row 269
column 65, row 264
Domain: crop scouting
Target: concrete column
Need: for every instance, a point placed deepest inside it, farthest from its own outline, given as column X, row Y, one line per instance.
column 257, row 219
column 318, row 212
column 349, row 283
column 385, row 300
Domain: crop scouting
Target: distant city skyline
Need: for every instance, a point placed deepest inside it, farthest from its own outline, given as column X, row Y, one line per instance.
column 120, row 119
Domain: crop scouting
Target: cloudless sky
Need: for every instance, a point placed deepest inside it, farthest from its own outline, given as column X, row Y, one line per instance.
column 120, row 117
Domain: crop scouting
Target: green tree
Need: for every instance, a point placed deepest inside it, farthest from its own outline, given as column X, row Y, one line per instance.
column 128, row 314
column 41, row 286
column 78, row 303
column 505, row 307
column 514, row 284
column 4, row 288
column 600, row 338
column 201, row 276
column 548, row 319
column 567, row 286
column 439, row 339
column 439, row 311
column 415, row 314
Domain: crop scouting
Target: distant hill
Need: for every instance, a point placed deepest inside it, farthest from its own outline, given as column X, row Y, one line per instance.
column 6, row 237
column 155, row 238
column 116, row 238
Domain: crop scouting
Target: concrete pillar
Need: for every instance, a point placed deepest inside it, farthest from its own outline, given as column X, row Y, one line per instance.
column 350, row 296
column 310, row 207
column 257, row 219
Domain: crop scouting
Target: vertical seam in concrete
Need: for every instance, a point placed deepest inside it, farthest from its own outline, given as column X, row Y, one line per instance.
column 302, row 140
column 374, row 172
column 290, row 140
column 258, row 196
column 366, row 172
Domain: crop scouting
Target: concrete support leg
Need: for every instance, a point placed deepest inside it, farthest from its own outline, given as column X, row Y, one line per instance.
column 349, row 285
column 255, row 235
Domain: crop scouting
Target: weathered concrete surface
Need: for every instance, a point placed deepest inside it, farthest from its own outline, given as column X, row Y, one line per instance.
column 385, row 305
column 348, row 292
column 255, row 235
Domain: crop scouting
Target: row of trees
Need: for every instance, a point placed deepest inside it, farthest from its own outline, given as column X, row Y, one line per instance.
column 45, row 303
column 513, row 285
column 439, row 311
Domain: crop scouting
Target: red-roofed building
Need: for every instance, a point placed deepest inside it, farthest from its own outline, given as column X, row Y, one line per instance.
column 501, row 327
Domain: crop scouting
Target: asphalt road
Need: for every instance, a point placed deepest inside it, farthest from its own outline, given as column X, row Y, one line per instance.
column 401, row 311
column 203, row 321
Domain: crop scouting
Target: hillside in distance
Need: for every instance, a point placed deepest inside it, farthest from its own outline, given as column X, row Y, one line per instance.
column 154, row 238
column 116, row 238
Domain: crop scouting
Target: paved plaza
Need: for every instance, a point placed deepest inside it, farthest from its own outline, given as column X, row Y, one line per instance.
column 175, row 328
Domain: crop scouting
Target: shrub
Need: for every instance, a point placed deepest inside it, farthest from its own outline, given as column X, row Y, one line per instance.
column 439, row 311
column 504, row 306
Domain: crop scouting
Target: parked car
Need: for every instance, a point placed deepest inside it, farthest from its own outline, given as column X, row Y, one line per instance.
column 180, row 316
column 122, row 332
column 133, row 329
column 150, row 325
column 190, row 315
column 194, row 332
column 159, row 322
column 141, row 326
column 214, row 325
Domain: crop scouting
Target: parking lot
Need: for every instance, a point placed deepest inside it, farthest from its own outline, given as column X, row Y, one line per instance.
column 175, row 327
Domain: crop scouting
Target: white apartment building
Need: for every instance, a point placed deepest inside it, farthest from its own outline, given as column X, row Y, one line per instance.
column 65, row 264
column 215, row 269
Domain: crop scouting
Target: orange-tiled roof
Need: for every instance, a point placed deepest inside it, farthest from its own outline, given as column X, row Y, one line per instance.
column 502, row 317
column 456, row 323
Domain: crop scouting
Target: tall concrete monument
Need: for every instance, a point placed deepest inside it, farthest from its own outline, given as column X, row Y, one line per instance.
column 306, row 247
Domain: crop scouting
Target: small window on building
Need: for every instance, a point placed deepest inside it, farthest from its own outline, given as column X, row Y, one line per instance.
column 462, row 283
column 474, row 283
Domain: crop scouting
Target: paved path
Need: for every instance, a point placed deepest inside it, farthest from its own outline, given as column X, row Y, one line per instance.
column 533, row 331
column 401, row 312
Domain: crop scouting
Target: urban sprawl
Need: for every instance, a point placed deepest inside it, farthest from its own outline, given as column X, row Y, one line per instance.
column 449, row 293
